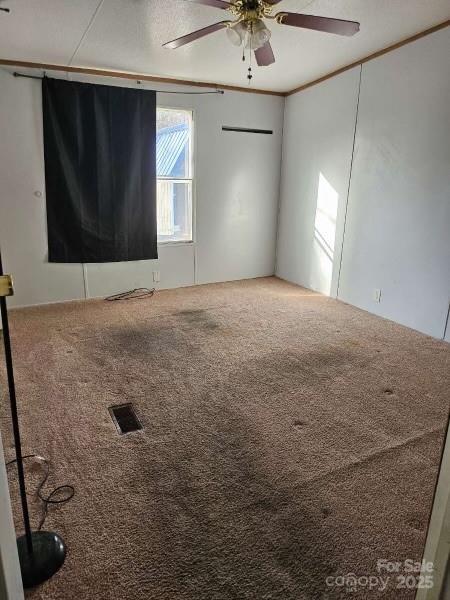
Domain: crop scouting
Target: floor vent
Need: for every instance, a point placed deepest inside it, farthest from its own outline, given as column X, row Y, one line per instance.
column 125, row 418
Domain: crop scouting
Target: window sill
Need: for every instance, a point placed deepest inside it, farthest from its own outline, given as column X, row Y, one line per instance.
column 177, row 243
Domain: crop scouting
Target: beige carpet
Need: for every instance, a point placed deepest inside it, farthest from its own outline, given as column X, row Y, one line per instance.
column 287, row 438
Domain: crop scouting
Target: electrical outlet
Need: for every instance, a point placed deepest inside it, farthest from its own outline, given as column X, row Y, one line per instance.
column 156, row 276
column 377, row 295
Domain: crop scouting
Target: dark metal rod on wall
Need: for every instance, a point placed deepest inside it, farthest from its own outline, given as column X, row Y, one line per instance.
column 15, row 418
column 137, row 81
column 247, row 130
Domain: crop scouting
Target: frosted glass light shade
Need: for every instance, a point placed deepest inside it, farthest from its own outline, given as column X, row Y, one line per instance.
column 261, row 35
column 257, row 36
column 236, row 33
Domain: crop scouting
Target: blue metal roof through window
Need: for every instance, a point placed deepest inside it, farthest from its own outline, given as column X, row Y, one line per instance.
column 171, row 146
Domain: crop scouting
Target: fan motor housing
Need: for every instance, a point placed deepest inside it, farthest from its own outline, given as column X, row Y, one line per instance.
column 250, row 10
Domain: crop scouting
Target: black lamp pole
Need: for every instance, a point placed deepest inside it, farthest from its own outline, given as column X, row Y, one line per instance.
column 41, row 553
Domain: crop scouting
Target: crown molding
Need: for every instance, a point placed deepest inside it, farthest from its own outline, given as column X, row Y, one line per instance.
column 132, row 76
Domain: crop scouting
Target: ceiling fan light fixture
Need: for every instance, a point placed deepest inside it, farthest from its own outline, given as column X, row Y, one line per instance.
column 258, row 35
column 236, row 33
column 252, row 35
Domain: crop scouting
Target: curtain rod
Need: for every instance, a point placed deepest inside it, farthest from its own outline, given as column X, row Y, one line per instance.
column 137, row 81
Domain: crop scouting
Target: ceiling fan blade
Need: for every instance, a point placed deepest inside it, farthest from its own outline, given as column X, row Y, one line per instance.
column 195, row 35
column 264, row 55
column 273, row 1
column 338, row 26
column 214, row 3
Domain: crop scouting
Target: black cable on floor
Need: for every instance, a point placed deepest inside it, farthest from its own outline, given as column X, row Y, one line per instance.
column 132, row 294
column 47, row 500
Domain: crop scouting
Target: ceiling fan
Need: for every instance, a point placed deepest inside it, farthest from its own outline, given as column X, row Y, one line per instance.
column 249, row 30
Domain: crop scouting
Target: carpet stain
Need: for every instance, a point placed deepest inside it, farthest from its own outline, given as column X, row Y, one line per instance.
column 198, row 318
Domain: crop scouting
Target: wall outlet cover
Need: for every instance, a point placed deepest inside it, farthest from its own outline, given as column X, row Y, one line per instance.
column 156, row 276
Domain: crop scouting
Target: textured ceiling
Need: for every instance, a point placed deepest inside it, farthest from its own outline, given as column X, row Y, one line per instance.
column 127, row 35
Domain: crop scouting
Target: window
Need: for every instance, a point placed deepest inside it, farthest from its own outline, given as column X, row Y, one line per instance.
column 174, row 172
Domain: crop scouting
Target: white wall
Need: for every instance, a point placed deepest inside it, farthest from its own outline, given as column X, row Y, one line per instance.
column 237, row 186
column 397, row 232
column 317, row 154
column 398, row 224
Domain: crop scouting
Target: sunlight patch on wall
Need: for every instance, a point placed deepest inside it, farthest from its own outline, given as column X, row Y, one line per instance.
column 324, row 235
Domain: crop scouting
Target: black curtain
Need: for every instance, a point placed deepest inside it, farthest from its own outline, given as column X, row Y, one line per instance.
column 100, row 172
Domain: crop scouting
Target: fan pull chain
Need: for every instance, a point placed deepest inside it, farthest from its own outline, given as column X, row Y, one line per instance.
column 250, row 75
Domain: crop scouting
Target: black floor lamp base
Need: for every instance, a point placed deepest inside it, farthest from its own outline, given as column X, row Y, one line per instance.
column 49, row 553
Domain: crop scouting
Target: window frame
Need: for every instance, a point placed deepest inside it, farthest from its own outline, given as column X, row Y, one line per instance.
column 192, row 171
